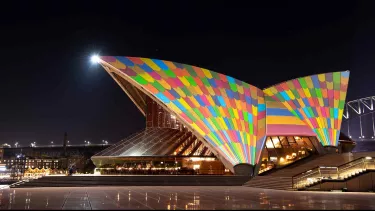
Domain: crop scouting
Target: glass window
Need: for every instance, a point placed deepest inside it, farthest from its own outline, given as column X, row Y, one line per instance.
column 269, row 144
column 283, row 141
column 299, row 141
column 276, row 142
column 291, row 139
column 308, row 143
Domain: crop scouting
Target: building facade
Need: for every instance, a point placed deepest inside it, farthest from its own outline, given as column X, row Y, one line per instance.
column 57, row 158
column 243, row 126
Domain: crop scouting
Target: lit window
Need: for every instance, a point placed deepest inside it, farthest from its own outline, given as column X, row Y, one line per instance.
column 283, row 140
column 273, row 159
column 276, row 142
column 269, row 144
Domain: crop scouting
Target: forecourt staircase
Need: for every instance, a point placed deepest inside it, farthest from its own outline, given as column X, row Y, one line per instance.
column 282, row 179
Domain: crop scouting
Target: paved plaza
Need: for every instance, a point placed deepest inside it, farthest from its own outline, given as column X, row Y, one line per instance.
column 175, row 198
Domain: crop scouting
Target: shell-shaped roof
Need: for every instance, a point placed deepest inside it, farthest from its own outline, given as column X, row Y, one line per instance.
column 317, row 100
column 227, row 113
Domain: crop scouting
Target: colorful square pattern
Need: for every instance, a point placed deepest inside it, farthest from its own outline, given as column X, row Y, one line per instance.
column 228, row 113
column 281, row 122
column 317, row 100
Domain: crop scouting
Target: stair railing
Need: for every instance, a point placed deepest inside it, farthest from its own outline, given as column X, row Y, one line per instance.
column 302, row 179
column 341, row 172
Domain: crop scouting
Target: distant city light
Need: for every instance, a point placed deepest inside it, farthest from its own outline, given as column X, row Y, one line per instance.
column 95, row 59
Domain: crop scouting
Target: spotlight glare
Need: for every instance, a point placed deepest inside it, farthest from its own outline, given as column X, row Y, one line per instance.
column 95, row 59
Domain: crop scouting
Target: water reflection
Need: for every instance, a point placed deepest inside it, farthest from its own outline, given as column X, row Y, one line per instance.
column 187, row 198
column 28, row 200
column 263, row 199
column 195, row 205
column 348, row 207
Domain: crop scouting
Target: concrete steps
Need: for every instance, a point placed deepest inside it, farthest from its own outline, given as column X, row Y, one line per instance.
column 282, row 179
column 139, row 180
column 270, row 182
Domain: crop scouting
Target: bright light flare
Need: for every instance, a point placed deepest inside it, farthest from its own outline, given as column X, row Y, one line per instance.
column 95, row 59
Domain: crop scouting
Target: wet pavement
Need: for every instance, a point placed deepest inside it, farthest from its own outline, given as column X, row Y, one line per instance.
column 182, row 197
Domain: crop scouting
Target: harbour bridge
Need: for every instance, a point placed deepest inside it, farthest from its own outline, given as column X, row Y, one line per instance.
column 358, row 122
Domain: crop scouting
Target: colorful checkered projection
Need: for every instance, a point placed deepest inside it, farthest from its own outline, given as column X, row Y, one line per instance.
column 317, row 100
column 281, row 122
column 228, row 113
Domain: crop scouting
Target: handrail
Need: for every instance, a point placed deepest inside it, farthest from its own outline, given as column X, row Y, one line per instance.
column 348, row 169
column 306, row 171
column 350, row 162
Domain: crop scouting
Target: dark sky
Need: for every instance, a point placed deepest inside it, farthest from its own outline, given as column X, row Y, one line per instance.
column 48, row 86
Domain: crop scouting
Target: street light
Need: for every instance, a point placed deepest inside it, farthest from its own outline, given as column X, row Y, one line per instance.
column 16, row 144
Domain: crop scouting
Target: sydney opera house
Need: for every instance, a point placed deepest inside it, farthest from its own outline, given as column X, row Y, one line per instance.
column 203, row 122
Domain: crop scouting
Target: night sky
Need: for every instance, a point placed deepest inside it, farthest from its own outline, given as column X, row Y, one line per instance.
column 48, row 85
